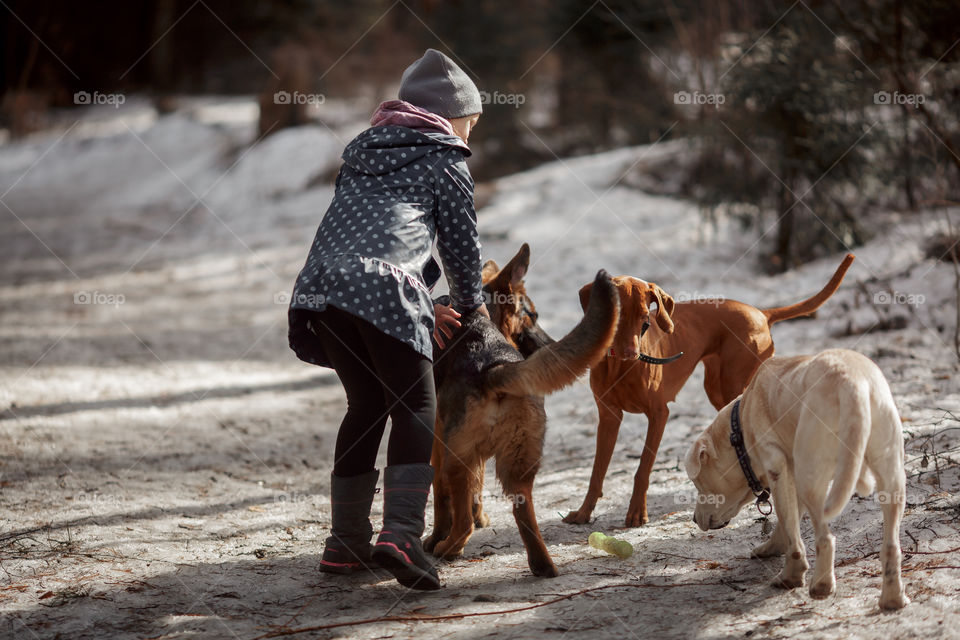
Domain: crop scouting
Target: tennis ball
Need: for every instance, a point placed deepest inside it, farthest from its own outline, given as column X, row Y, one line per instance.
column 596, row 540
column 620, row 548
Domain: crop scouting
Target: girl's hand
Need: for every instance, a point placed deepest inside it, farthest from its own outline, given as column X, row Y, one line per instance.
column 446, row 321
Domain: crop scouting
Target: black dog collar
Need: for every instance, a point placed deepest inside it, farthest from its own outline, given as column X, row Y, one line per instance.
column 736, row 439
column 642, row 357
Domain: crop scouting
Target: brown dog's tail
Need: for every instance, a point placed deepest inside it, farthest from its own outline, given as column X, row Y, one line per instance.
column 556, row 365
column 810, row 305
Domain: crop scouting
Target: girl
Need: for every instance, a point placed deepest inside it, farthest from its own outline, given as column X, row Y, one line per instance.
column 362, row 306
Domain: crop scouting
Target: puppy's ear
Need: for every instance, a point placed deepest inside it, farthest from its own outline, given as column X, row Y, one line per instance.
column 585, row 295
column 516, row 269
column 489, row 271
column 698, row 455
column 692, row 460
column 665, row 306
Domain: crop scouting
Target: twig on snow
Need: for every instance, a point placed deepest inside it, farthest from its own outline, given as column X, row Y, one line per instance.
column 277, row 633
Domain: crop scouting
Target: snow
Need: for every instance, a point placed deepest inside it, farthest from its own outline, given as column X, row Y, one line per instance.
column 165, row 458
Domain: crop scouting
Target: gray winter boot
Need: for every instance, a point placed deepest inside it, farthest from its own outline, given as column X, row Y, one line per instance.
column 398, row 548
column 348, row 547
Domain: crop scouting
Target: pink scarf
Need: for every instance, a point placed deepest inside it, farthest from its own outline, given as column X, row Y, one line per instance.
column 404, row 114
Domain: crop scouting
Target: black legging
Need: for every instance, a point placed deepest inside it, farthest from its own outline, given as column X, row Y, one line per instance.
column 382, row 376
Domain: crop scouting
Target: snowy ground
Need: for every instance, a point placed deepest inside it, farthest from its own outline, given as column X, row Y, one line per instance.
column 164, row 459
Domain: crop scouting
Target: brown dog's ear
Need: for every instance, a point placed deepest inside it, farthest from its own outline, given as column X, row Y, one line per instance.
column 516, row 269
column 665, row 306
column 489, row 271
column 585, row 295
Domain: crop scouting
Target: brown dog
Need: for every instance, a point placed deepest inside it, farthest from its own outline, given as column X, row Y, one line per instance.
column 490, row 404
column 731, row 338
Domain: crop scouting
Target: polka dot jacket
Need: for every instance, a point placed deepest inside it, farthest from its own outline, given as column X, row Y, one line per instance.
column 397, row 191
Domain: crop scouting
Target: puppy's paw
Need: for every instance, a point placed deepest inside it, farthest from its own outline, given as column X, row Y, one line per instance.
column 447, row 550
column 894, row 601
column 480, row 520
column 769, row 549
column 580, row 516
column 821, row 590
column 636, row 518
column 787, row 582
column 544, row 568
column 430, row 542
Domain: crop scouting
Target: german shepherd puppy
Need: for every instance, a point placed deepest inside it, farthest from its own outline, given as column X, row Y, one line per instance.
column 490, row 403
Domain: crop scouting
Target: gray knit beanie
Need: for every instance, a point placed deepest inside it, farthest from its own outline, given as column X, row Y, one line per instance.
column 437, row 84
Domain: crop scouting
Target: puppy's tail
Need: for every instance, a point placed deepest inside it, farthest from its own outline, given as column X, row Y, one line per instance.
column 556, row 365
column 808, row 306
column 854, row 416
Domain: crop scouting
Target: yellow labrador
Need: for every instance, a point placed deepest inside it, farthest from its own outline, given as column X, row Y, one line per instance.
column 810, row 430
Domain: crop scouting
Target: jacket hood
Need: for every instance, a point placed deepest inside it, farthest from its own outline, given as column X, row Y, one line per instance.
column 380, row 150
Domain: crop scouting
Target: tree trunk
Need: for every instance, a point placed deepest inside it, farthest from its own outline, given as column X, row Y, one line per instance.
column 783, row 253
